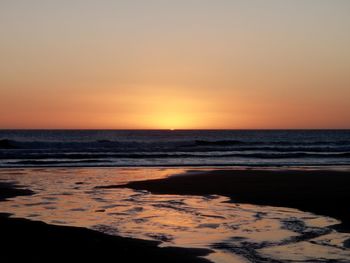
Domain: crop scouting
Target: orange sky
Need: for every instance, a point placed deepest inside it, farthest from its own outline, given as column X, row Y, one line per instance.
column 194, row 64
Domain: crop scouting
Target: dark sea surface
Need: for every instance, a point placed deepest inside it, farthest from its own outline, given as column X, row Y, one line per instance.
column 125, row 148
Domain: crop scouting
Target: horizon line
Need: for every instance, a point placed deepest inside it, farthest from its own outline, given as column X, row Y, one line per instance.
column 162, row 129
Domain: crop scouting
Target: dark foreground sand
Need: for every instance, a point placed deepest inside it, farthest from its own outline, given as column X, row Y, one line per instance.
column 23, row 240
column 8, row 190
column 322, row 192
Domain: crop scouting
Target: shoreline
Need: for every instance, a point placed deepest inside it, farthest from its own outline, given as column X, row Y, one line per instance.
column 25, row 240
column 324, row 192
column 340, row 167
column 319, row 191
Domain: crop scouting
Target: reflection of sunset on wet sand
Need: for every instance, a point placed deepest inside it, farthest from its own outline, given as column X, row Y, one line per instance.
column 70, row 197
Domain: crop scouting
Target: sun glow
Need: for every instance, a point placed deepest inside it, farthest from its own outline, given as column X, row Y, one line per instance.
column 145, row 68
column 172, row 121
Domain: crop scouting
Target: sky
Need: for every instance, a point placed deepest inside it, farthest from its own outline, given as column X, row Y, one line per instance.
column 174, row 64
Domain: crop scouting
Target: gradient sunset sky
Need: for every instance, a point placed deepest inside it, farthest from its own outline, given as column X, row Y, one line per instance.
column 191, row 64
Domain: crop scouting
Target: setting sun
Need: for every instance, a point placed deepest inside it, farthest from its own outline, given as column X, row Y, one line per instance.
column 235, row 67
column 172, row 121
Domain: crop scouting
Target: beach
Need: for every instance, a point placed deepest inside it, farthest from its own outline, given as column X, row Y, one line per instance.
column 26, row 240
column 260, row 204
column 325, row 192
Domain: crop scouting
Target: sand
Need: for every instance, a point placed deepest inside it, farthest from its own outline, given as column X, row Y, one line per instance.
column 24, row 240
column 321, row 192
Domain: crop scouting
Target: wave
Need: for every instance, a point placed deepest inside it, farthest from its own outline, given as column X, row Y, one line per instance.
column 41, row 162
column 286, row 143
column 110, row 144
column 219, row 143
column 145, row 155
column 157, row 164
column 206, row 149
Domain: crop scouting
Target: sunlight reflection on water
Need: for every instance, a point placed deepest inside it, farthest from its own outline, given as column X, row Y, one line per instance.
column 236, row 232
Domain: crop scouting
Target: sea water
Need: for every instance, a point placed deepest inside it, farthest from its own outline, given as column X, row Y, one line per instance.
column 125, row 148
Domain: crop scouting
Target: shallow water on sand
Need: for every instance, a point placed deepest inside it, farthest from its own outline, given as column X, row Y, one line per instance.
column 235, row 232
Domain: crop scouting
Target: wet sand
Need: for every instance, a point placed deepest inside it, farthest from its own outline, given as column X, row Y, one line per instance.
column 25, row 240
column 314, row 191
column 321, row 192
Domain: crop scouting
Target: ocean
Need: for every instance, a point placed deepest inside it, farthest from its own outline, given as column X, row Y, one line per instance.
column 142, row 148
